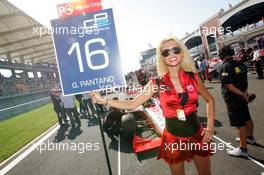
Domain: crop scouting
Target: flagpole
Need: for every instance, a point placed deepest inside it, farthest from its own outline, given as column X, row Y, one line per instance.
column 104, row 143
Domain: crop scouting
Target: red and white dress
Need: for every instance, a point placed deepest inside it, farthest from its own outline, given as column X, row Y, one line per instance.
column 170, row 149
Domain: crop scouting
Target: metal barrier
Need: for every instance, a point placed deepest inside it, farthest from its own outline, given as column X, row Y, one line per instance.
column 10, row 106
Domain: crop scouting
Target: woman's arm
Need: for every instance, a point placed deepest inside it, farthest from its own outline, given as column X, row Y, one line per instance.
column 210, row 110
column 125, row 104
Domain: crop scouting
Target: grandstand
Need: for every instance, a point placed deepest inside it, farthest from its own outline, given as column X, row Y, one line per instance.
column 28, row 67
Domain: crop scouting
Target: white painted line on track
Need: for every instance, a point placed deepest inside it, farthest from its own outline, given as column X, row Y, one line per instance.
column 119, row 156
column 35, row 145
column 27, row 152
column 26, row 146
column 250, row 158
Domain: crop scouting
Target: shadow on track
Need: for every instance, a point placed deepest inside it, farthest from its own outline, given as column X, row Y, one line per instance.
column 125, row 145
column 74, row 132
column 203, row 120
column 60, row 134
column 148, row 154
column 92, row 121
column 259, row 160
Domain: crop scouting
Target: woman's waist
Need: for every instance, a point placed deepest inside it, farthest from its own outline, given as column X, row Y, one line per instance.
column 191, row 115
column 185, row 128
column 173, row 113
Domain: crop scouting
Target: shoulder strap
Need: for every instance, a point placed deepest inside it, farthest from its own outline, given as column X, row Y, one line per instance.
column 158, row 84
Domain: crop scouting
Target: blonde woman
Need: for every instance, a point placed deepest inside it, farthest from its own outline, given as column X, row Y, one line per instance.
column 183, row 138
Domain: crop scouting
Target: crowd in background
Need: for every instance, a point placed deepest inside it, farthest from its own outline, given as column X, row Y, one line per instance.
column 27, row 65
column 22, row 83
column 252, row 56
column 141, row 76
column 13, row 86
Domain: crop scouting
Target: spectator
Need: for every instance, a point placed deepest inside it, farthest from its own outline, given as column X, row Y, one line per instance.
column 55, row 98
column 202, row 68
column 205, row 61
column 257, row 62
column 71, row 111
column 242, row 56
column 79, row 97
column 88, row 105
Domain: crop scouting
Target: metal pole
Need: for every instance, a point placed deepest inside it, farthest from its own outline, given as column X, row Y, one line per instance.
column 103, row 138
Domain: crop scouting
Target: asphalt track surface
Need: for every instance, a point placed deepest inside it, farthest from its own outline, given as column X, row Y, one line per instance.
column 92, row 160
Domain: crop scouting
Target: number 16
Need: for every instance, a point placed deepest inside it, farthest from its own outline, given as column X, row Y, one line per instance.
column 89, row 54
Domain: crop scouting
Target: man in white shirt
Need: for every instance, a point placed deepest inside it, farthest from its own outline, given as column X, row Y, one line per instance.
column 71, row 110
column 257, row 62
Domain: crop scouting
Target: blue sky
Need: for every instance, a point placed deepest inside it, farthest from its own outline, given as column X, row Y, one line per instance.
column 140, row 22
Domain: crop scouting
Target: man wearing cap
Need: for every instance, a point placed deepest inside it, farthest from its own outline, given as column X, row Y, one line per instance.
column 234, row 86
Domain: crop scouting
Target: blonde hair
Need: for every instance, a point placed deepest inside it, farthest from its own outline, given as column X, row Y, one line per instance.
column 186, row 64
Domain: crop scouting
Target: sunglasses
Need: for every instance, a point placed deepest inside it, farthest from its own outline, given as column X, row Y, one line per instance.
column 174, row 50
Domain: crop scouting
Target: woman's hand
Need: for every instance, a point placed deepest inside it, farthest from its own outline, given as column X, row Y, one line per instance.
column 97, row 98
column 207, row 134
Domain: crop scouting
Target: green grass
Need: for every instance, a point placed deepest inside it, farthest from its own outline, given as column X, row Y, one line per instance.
column 20, row 130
